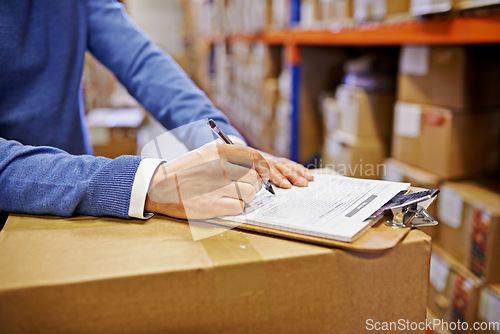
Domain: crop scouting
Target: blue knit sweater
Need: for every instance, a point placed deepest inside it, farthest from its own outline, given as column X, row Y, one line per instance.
column 42, row 47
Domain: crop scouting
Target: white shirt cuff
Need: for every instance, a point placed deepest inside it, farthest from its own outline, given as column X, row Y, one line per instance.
column 147, row 167
column 235, row 139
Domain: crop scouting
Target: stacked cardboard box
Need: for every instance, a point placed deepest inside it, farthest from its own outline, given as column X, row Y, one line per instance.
column 453, row 292
column 447, row 95
column 339, row 13
column 235, row 16
column 94, row 275
column 489, row 308
column 357, row 140
column 470, row 227
column 245, row 86
column 446, row 127
column 379, row 10
column 425, row 7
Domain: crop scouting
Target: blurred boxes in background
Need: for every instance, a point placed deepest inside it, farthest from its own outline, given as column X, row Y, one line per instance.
column 455, row 77
column 469, row 214
column 468, row 4
column 336, row 11
column 446, row 142
column 359, row 117
column 245, row 85
column 489, row 307
column 355, row 156
column 379, row 10
column 365, row 113
column 424, row 7
column 113, row 132
column 454, row 290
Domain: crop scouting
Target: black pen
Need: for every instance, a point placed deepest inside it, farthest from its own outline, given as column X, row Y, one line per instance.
column 218, row 131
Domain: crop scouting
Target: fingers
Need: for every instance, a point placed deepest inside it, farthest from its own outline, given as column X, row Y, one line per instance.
column 232, row 199
column 279, row 179
column 243, row 174
column 237, row 190
column 235, row 153
column 285, row 172
column 225, row 206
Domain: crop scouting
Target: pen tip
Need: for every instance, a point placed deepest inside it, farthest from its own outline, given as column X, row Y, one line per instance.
column 270, row 189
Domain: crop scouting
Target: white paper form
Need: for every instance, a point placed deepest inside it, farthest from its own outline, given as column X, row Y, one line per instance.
column 332, row 206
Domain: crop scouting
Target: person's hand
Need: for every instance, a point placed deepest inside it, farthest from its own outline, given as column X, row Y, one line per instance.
column 214, row 180
column 285, row 173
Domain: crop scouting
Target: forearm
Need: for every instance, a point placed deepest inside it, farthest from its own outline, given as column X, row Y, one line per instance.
column 45, row 180
column 149, row 74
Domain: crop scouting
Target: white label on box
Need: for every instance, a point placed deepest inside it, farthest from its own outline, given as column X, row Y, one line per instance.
column 369, row 10
column 393, row 173
column 99, row 135
column 439, row 272
column 489, row 307
column 450, row 207
column 349, row 109
column 415, row 59
column 407, row 119
column 307, row 14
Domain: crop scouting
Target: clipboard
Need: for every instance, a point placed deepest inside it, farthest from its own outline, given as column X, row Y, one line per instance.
column 384, row 233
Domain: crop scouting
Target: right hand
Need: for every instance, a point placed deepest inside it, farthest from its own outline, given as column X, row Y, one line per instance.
column 214, row 180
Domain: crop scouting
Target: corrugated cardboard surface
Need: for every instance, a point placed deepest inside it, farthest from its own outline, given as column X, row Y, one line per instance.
column 462, row 240
column 454, row 77
column 356, row 156
column 364, row 113
column 95, row 275
column 448, row 144
column 459, row 298
column 489, row 307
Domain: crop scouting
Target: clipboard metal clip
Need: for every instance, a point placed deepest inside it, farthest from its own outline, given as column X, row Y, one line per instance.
column 409, row 213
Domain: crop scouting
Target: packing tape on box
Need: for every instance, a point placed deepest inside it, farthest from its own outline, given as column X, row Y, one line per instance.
column 240, row 269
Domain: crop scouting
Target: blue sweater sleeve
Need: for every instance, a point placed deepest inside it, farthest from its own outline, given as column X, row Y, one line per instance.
column 149, row 74
column 46, row 180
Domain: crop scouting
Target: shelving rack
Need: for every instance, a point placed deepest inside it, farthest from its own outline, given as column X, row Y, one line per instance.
column 457, row 30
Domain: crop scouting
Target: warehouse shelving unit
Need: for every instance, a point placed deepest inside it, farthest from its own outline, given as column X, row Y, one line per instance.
column 457, row 30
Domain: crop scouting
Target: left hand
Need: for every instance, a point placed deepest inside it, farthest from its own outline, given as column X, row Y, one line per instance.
column 285, row 172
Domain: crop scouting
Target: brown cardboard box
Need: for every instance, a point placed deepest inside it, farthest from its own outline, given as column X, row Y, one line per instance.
column 356, row 156
column 423, row 7
column 309, row 13
column 436, row 327
column 469, row 214
column 336, row 11
column 468, row 4
column 445, row 142
column 377, row 10
column 453, row 292
column 489, row 309
column 103, row 275
column 455, row 77
column 364, row 113
column 113, row 132
column 398, row 171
